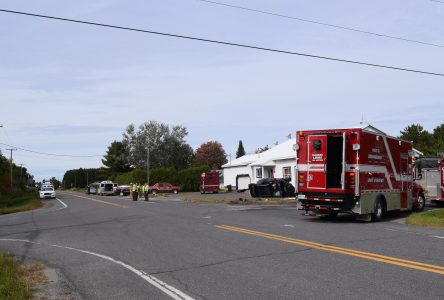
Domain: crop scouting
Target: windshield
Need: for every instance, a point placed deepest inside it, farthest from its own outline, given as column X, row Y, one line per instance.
column 47, row 189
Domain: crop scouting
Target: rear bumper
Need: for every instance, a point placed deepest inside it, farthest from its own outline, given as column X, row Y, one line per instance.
column 318, row 204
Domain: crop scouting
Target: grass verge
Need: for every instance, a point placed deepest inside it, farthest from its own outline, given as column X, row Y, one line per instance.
column 431, row 218
column 17, row 282
column 15, row 203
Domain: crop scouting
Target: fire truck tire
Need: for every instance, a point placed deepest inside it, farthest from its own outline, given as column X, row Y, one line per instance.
column 154, row 192
column 379, row 210
column 332, row 214
column 420, row 203
column 174, row 191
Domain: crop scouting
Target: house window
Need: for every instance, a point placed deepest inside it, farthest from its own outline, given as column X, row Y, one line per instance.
column 286, row 172
column 259, row 173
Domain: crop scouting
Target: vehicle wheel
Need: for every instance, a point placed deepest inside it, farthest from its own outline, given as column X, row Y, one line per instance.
column 420, row 203
column 175, row 192
column 202, row 192
column 154, row 192
column 379, row 211
column 332, row 214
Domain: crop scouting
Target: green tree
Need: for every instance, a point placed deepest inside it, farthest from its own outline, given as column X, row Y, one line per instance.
column 240, row 150
column 210, row 154
column 55, row 182
column 167, row 146
column 422, row 139
column 438, row 140
column 116, row 158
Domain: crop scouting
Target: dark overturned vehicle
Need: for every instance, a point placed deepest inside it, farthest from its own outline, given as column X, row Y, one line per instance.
column 272, row 187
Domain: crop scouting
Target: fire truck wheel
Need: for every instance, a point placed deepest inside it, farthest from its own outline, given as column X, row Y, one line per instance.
column 332, row 214
column 174, row 191
column 379, row 211
column 154, row 192
column 420, row 203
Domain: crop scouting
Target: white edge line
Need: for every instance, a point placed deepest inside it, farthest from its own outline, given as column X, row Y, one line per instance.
column 167, row 289
column 438, row 237
column 63, row 203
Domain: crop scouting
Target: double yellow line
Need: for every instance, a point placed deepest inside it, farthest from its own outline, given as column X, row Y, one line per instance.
column 346, row 251
column 100, row 201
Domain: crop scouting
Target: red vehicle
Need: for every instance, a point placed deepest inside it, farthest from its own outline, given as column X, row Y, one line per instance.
column 122, row 190
column 164, row 187
column 209, row 182
column 360, row 170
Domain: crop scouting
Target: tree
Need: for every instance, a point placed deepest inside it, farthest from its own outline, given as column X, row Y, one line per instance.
column 240, row 150
column 55, row 182
column 422, row 139
column 210, row 154
column 116, row 158
column 438, row 140
column 167, row 146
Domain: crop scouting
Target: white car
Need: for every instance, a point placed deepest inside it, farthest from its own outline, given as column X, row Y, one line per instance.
column 47, row 192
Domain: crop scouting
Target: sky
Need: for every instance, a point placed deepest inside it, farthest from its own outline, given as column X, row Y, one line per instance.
column 72, row 89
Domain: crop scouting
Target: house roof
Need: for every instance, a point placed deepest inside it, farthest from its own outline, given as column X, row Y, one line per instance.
column 242, row 161
column 278, row 152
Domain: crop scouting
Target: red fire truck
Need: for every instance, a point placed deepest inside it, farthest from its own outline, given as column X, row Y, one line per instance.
column 209, row 182
column 361, row 171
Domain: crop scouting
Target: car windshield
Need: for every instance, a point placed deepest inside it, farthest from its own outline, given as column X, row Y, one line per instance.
column 47, row 189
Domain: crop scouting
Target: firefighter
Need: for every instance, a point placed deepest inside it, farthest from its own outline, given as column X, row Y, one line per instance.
column 135, row 191
column 146, row 189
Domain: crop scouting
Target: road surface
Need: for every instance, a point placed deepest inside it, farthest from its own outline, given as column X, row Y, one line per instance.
column 113, row 248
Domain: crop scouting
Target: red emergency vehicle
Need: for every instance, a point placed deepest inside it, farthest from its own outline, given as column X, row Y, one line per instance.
column 209, row 182
column 359, row 170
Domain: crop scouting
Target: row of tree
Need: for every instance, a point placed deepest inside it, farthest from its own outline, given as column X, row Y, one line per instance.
column 155, row 145
column 20, row 177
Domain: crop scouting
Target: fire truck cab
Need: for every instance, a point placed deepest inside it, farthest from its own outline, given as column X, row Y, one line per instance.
column 361, row 171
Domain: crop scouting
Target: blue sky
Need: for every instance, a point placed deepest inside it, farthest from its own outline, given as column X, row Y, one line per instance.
column 72, row 89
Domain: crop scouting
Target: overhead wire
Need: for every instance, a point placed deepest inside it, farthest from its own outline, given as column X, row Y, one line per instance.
column 224, row 43
column 322, row 23
column 51, row 154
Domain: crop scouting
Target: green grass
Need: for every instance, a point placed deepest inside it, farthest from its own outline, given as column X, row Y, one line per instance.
column 15, row 203
column 432, row 218
column 12, row 285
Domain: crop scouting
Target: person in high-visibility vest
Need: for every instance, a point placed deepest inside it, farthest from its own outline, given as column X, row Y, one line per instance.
column 135, row 191
column 146, row 189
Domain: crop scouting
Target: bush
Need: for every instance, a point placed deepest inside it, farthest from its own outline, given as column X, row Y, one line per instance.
column 189, row 179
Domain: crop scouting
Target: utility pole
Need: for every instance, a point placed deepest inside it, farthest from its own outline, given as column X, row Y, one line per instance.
column 11, row 149
column 148, row 165
column 21, row 171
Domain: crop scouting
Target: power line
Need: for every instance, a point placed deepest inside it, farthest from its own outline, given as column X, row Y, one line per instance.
column 437, row 1
column 322, row 23
column 50, row 154
column 224, row 43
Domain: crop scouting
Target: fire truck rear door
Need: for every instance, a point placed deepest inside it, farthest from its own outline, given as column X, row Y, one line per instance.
column 317, row 155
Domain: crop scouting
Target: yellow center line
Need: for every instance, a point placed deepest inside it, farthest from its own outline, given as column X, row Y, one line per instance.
column 346, row 251
column 100, row 201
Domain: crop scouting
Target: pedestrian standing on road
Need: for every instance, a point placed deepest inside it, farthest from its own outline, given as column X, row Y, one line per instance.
column 135, row 191
column 146, row 189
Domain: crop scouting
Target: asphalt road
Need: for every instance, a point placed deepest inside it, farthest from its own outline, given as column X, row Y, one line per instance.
column 113, row 248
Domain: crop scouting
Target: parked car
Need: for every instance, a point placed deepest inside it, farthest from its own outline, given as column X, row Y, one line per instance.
column 122, row 190
column 47, row 191
column 164, row 187
column 272, row 187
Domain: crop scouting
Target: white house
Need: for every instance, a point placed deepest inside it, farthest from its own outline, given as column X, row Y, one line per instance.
column 277, row 162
